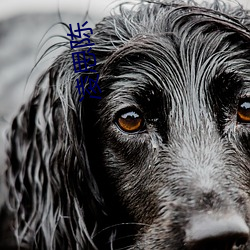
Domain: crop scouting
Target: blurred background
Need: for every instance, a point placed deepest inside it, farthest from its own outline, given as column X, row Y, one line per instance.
column 25, row 26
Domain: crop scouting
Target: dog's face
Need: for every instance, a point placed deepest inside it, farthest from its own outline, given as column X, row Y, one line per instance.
column 174, row 131
column 161, row 161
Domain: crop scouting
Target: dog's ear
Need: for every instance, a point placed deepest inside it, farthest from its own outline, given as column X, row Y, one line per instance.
column 51, row 187
column 53, row 197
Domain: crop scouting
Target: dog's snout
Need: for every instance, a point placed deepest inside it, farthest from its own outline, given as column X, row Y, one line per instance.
column 222, row 232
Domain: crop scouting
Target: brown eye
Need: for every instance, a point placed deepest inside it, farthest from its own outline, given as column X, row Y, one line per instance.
column 243, row 113
column 130, row 121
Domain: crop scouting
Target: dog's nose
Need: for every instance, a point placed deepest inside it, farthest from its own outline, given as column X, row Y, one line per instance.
column 217, row 232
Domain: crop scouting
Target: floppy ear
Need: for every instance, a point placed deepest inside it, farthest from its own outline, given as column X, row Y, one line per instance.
column 51, row 187
column 54, row 200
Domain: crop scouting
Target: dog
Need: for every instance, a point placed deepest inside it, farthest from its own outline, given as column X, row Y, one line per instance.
column 161, row 161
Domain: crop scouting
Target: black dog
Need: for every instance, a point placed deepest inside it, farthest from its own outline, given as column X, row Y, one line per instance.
column 161, row 161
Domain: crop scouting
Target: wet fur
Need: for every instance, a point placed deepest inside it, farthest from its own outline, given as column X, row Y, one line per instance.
column 78, row 182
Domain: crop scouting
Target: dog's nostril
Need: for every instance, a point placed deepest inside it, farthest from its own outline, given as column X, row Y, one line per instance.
column 223, row 242
column 240, row 242
column 217, row 232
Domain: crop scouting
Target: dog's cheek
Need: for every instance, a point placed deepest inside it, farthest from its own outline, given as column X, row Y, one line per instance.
column 131, row 172
column 243, row 138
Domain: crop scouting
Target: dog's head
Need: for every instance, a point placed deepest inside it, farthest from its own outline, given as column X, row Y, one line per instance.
column 163, row 158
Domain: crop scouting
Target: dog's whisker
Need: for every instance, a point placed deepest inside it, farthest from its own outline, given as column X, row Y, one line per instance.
column 115, row 226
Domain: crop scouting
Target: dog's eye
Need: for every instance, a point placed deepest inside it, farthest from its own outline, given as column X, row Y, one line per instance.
column 243, row 113
column 130, row 121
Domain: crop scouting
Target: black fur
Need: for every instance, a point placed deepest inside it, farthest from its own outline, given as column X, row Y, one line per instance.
column 77, row 181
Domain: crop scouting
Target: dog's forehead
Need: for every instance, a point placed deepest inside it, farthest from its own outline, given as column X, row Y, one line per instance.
column 185, row 65
column 186, row 56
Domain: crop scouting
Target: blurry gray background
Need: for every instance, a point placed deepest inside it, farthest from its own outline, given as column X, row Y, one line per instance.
column 23, row 23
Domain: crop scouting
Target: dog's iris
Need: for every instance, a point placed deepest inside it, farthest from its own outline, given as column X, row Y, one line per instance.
column 244, row 111
column 130, row 121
